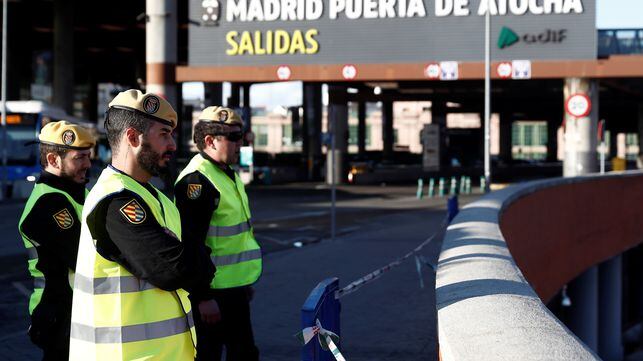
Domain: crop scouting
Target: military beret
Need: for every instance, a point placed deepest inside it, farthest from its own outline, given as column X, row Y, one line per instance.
column 66, row 134
column 220, row 115
column 150, row 105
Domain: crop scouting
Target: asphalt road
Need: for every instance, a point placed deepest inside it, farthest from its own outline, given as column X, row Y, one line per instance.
column 390, row 320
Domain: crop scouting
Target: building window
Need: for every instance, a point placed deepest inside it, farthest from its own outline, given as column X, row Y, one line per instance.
column 286, row 135
column 353, row 133
column 261, row 135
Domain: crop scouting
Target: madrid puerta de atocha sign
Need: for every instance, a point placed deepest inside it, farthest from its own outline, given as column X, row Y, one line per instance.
column 275, row 32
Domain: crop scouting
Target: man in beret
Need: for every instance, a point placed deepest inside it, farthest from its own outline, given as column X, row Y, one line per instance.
column 133, row 271
column 215, row 212
column 50, row 229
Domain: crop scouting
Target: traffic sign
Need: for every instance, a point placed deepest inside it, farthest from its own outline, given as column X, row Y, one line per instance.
column 284, row 72
column 578, row 105
column 449, row 70
column 349, row 72
column 432, row 71
column 521, row 69
column 504, row 70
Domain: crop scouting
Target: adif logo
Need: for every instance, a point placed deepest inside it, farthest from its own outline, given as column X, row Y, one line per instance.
column 508, row 37
column 211, row 11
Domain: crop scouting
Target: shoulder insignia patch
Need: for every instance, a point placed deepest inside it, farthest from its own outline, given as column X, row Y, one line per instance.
column 63, row 219
column 194, row 191
column 133, row 212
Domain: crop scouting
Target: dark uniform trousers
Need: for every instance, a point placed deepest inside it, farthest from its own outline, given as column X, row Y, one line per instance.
column 234, row 331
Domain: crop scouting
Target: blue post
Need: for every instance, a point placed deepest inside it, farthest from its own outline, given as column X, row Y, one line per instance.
column 452, row 207
column 321, row 304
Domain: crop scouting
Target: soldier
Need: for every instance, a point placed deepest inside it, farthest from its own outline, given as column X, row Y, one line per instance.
column 214, row 210
column 50, row 228
column 133, row 271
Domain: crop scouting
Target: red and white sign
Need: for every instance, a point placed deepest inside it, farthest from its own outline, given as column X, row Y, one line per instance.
column 504, row 70
column 284, row 72
column 432, row 71
column 349, row 72
column 578, row 105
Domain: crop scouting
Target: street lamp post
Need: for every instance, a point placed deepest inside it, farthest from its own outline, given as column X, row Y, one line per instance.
column 487, row 99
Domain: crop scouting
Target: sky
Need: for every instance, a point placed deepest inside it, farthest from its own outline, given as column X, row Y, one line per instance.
column 610, row 14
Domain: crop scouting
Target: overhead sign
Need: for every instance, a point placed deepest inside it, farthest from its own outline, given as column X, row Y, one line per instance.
column 432, row 71
column 449, row 70
column 284, row 72
column 349, row 72
column 521, row 69
column 294, row 32
column 504, row 70
column 578, row 105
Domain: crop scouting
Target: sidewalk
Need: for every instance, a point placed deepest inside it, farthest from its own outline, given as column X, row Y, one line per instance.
column 389, row 319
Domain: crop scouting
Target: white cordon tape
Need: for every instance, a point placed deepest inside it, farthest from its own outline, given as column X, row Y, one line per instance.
column 357, row 284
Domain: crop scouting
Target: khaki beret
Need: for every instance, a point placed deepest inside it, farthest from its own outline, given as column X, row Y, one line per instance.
column 150, row 105
column 221, row 115
column 67, row 135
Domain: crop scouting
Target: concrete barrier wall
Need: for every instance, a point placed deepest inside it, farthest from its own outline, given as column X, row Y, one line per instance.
column 541, row 234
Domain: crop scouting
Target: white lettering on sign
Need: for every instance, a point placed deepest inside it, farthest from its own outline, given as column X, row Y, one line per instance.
column 522, row 7
column 299, row 10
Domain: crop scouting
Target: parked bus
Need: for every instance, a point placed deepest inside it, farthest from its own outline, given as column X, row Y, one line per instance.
column 24, row 121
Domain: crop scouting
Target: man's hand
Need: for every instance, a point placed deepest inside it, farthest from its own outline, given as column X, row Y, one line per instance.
column 209, row 311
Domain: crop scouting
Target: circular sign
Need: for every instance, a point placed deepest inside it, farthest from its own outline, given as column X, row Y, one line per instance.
column 504, row 70
column 432, row 71
column 283, row 72
column 578, row 105
column 349, row 71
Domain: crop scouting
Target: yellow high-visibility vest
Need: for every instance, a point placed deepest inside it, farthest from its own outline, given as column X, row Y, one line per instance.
column 115, row 315
column 235, row 251
column 39, row 190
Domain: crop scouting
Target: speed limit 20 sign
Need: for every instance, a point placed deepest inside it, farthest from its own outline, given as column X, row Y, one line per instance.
column 578, row 105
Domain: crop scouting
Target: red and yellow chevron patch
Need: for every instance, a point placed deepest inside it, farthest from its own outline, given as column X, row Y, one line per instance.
column 133, row 212
column 194, row 191
column 63, row 219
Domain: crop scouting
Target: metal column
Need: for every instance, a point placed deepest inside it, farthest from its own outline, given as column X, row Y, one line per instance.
column 387, row 130
column 361, row 127
column 583, row 314
column 338, row 127
column 580, row 133
column 160, row 49
column 63, row 92
column 312, row 124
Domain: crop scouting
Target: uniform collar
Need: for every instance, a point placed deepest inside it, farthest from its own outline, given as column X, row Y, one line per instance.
column 75, row 190
column 224, row 167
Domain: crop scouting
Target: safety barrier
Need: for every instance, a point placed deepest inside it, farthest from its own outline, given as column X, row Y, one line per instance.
column 320, row 312
column 489, row 308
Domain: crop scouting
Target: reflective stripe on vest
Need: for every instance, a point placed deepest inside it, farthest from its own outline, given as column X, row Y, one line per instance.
column 115, row 314
column 39, row 190
column 132, row 333
column 228, row 231
column 234, row 250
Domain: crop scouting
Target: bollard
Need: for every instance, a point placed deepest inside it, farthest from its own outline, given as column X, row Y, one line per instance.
column 418, row 193
column 441, row 187
column 468, row 185
column 453, row 189
column 431, row 188
column 452, row 207
column 483, row 184
column 462, row 184
column 321, row 304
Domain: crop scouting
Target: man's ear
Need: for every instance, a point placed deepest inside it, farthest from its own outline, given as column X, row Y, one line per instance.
column 209, row 141
column 132, row 137
column 54, row 160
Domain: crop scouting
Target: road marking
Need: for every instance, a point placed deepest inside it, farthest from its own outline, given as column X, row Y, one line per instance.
column 22, row 289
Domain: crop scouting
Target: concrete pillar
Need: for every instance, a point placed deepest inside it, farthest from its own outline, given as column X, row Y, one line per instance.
column 213, row 94
column 439, row 117
column 552, row 139
column 338, row 127
column 387, row 130
column 161, row 49
column 610, row 347
column 312, row 125
column 580, row 133
column 506, row 122
column 361, row 127
column 583, row 313
column 233, row 99
column 63, row 89
column 639, row 159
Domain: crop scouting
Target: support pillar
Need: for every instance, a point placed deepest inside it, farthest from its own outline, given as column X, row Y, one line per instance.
column 63, row 89
column 246, row 110
column 387, row 130
column 439, row 117
column 161, row 49
column 580, row 133
column 233, row 99
column 583, row 313
column 639, row 159
column 610, row 347
column 213, row 94
column 506, row 122
column 552, row 139
column 361, row 128
column 338, row 127
column 312, row 128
